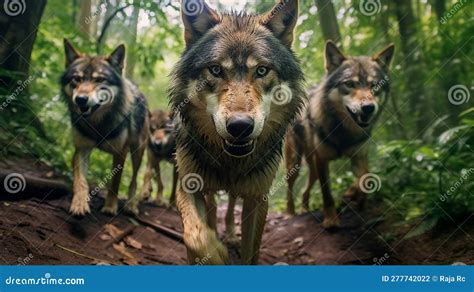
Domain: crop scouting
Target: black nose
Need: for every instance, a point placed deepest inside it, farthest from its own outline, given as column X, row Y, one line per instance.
column 81, row 100
column 240, row 126
column 368, row 109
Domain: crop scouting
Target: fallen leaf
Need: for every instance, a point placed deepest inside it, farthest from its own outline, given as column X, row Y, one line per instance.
column 133, row 242
column 112, row 230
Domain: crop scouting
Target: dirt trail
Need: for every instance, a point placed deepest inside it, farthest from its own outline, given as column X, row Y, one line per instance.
column 41, row 231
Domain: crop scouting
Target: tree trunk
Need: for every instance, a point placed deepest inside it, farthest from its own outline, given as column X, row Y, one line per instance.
column 413, row 75
column 18, row 29
column 84, row 19
column 132, row 31
column 328, row 20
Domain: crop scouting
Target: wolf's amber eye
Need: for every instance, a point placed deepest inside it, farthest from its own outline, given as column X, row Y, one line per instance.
column 262, row 71
column 216, row 70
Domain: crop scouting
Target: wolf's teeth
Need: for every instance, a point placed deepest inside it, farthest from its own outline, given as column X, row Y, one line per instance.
column 249, row 143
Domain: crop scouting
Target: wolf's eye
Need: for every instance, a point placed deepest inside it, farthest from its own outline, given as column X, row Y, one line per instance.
column 99, row 79
column 262, row 71
column 76, row 80
column 349, row 84
column 216, row 70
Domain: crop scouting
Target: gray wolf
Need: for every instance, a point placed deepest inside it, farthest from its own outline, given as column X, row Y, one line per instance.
column 236, row 88
column 107, row 112
column 337, row 122
column 161, row 147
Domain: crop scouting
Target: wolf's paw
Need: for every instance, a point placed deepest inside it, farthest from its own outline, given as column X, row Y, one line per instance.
column 232, row 240
column 79, row 207
column 204, row 248
column 161, row 203
column 109, row 210
column 132, row 209
column 146, row 196
column 304, row 209
column 331, row 223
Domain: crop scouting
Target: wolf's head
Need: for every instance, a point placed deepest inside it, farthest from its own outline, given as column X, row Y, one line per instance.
column 238, row 81
column 358, row 83
column 162, row 133
column 91, row 84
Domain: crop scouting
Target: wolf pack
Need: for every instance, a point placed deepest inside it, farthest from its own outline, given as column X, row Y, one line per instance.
column 239, row 105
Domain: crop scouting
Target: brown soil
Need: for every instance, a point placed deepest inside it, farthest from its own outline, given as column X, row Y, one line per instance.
column 41, row 231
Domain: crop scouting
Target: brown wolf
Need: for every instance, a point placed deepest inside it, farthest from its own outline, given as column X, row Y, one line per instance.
column 107, row 112
column 235, row 89
column 161, row 147
column 337, row 122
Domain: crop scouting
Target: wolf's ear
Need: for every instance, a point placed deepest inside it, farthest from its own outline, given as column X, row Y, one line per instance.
column 384, row 57
column 117, row 58
column 281, row 20
column 334, row 57
column 71, row 53
column 198, row 18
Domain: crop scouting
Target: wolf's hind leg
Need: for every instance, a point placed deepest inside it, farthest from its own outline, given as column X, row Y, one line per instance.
column 293, row 162
column 147, row 184
column 80, row 202
column 229, row 236
column 202, row 244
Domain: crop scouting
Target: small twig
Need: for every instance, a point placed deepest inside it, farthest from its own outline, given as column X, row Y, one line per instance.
column 121, row 236
column 162, row 229
column 79, row 254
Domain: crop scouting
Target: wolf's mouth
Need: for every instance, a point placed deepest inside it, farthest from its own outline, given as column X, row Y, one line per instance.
column 361, row 119
column 86, row 111
column 238, row 148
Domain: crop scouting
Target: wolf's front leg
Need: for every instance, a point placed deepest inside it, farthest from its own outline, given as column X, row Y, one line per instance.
column 201, row 241
column 254, row 215
column 111, row 201
column 355, row 193
column 80, row 199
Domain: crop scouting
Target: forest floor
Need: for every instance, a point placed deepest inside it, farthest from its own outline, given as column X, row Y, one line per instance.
column 39, row 230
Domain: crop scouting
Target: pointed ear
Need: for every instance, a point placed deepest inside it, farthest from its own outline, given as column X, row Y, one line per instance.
column 334, row 57
column 281, row 20
column 198, row 18
column 384, row 57
column 117, row 58
column 71, row 53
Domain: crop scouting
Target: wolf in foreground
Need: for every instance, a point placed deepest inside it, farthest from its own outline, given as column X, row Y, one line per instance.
column 236, row 88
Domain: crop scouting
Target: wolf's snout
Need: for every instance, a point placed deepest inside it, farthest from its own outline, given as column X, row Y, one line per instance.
column 240, row 126
column 81, row 100
column 368, row 109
